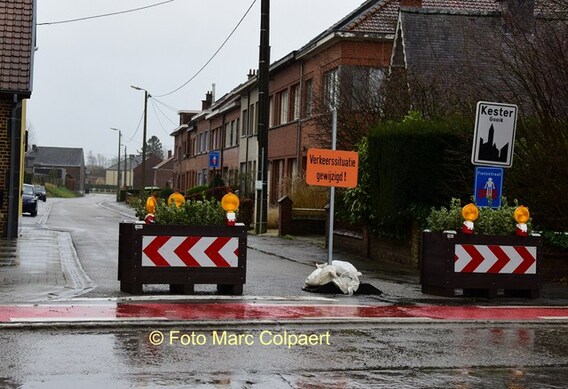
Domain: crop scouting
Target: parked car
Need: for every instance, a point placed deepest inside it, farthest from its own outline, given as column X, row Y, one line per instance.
column 29, row 200
column 41, row 193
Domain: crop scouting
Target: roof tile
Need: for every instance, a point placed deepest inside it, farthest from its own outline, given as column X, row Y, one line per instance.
column 16, row 45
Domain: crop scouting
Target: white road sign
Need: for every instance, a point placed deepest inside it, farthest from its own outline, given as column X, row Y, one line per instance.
column 494, row 137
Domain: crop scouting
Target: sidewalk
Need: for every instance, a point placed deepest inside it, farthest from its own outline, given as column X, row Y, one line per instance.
column 42, row 266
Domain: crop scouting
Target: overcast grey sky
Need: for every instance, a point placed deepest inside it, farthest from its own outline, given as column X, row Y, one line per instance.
column 83, row 70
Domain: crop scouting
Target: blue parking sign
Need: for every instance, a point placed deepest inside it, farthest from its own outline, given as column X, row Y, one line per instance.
column 488, row 187
column 214, row 159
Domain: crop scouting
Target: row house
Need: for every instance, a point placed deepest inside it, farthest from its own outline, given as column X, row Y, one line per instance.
column 207, row 143
column 17, row 46
column 348, row 61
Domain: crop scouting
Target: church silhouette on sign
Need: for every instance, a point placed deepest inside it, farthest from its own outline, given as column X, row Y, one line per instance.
column 488, row 151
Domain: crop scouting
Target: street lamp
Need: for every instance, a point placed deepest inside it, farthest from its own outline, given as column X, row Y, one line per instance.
column 146, row 95
column 118, row 166
column 125, row 178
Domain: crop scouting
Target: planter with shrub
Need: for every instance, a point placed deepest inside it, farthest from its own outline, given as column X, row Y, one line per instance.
column 185, row 246
column 489, row 260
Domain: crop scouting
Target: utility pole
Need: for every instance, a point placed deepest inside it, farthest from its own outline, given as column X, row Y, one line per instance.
column 118, row 165
column 263, row 117
column 125, row 180
column 146, row 95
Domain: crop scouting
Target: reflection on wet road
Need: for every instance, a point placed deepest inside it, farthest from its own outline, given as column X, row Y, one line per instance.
column 357, row 356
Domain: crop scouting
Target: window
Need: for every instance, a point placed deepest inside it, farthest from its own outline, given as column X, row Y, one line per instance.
column 255, row 121
column 284, row 107
column 193, row 146
column 215, row 139
column 366, row 87
column 236, row 130
column 295, row 98
column 331, row 88
column 202, row 140
column 309, row 99
column 246, row 129
column 270, row 112
column 228, row 134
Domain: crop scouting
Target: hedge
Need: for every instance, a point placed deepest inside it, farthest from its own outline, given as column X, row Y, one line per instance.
column 417, row 164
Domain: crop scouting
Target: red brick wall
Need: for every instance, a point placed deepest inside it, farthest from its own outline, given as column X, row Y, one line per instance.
column 5, row 115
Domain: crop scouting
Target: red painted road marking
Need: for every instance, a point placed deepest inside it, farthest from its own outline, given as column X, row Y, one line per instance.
column 252, row 311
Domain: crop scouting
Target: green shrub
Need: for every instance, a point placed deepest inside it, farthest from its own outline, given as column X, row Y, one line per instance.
column 196, row 189
column 490, row 221
column 414, row 165
column 139, row 208
column 354, row 205
column 195, row 213
column 165, row 193
column 556, row 239
column 540, row 172
column 60, row 191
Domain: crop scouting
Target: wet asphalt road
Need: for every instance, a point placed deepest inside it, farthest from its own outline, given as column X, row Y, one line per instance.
column 357, row 356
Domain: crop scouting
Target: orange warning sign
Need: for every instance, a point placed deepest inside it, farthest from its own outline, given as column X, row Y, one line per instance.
column 332, row 168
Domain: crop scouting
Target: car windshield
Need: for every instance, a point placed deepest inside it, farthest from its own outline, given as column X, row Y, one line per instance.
column 29, row 190
column 39, row 188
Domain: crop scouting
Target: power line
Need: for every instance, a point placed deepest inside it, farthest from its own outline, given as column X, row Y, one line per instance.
column 137, row 128
column 154, row 107
column 105, row 15
column 162, row 112
column 176, row 110
column 214, row 54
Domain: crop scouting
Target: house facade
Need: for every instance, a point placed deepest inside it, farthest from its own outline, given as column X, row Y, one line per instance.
column 346, row 65
column 298, row 82
column 64, row 164
column 158, row 172
column 127, row 166
column 17, row 45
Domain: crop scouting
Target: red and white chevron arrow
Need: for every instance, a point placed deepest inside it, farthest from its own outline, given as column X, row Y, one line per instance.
column 495, row 259
column 190, row 251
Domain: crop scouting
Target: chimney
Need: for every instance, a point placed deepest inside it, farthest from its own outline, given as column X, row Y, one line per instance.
column 411, row 3
column 517, row 15
column 169, row 154
column 252, row 73
column 206, row 104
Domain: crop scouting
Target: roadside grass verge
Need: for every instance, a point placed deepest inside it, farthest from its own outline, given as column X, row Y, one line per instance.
column 57, row 191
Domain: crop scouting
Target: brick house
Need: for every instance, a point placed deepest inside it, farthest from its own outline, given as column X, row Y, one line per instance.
column 127, row 171
column 346, row 64
column 450, row 59
column 17, row 45
column 295, row 80
column 63, row 163
column 151, row 177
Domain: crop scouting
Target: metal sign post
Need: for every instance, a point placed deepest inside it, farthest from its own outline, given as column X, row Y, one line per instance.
column 332, row 192
column 332, row 168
